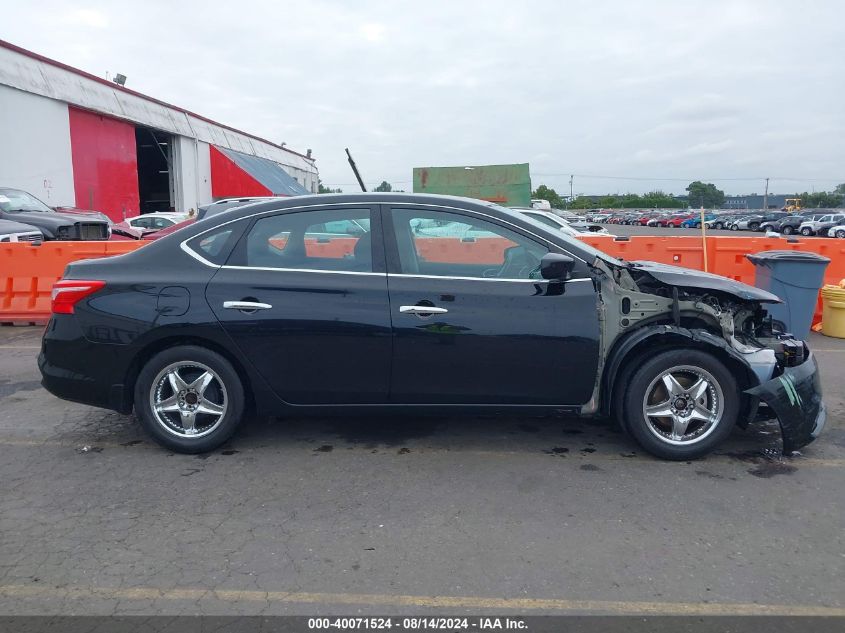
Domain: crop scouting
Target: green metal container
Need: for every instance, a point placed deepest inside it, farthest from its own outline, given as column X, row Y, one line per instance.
column 508, row 185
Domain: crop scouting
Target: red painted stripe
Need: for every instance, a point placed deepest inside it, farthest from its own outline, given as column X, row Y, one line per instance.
column 105, row 164
column 230, row 181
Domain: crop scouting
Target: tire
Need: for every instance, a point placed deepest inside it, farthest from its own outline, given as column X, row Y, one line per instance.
column 217, row 407
column 734, row 227
column 684, row 436
column 806, row 231
column 840, row 234
column 788, row 230
column 718, row 226
column 754, row 226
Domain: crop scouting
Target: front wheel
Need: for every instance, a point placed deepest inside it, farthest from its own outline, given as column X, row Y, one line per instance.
column 840, row 234
column 680, row 404
column 754, row 226
column 806, row 231
column 189, row 399
column 718, row 226
column 734, row 227
column 788, row 230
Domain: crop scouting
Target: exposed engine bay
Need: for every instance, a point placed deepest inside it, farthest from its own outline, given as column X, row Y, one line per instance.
column 644, row 303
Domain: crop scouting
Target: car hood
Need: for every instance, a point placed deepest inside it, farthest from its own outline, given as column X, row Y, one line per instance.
column 689, row 278
column 85, row 213
column 54, row 220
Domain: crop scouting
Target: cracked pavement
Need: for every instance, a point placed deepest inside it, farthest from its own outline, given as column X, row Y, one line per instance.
column 406, row 515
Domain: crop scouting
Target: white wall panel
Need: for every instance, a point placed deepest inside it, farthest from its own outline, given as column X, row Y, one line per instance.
column 35, row 147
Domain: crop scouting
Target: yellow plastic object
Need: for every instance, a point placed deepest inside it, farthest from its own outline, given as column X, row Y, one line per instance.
column 833, row 311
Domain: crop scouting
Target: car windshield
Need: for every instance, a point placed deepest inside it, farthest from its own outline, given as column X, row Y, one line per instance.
column 14, row 200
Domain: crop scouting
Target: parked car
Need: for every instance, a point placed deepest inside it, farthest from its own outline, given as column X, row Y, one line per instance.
column 743, row 223
column 837, row 231
column 824, row 227
column 158, row 220
column 675, row 221
column 792, row 223
column 811, row 227
column 722, row 221
column 213, row 208
column 248, row 310
column 556, row 222
column 123, row 231
column 746, row 223
column 694, row 221
column 769, row 220
column 17, row 232
column 658, row 220
column 155, row 235
column 67, row 224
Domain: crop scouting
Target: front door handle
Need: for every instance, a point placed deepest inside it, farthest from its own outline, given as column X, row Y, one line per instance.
column 422, row 310
column 246, row 305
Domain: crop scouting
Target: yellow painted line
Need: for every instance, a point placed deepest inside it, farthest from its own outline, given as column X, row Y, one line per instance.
column 441, row 602
column 574, row 454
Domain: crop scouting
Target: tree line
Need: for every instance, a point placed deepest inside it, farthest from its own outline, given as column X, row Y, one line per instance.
column 698, row 194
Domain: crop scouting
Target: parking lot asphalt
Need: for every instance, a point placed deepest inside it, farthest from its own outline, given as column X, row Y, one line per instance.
column 409, row 515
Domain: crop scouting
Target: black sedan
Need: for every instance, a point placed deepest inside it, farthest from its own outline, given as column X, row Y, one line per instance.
column 404, row 302
column 63, row 224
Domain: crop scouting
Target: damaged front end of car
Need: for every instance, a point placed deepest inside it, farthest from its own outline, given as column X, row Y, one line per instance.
column 645, row 306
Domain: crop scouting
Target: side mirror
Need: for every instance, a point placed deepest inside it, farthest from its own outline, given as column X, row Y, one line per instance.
column 556, row 267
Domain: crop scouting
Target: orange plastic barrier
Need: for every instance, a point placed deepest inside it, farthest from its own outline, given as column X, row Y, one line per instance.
column 27, row 274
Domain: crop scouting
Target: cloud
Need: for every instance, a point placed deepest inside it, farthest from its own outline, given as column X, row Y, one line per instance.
column 88, row 18
column 644, row 90
column 372, row 32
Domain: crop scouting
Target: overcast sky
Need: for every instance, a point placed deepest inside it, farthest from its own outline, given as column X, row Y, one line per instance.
column 650, row 93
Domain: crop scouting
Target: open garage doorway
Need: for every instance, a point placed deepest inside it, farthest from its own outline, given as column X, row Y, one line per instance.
column 155, row 169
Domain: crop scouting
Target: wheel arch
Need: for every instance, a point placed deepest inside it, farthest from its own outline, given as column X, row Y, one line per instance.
column 154, row 347
column 635, row 347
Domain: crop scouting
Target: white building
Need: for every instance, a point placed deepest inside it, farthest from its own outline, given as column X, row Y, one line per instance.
column 74, row 139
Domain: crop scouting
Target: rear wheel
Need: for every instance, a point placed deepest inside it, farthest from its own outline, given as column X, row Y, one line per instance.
column 806, row 231
column 189, row 399
column 734, row 227
column 840, row 234
column 788, row 230
column 718, row 226
column 680, row 404
column 754, row 226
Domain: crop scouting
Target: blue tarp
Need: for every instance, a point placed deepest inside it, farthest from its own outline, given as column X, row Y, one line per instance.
column 267, row 172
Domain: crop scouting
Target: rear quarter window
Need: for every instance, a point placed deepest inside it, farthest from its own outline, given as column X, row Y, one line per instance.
column 214, row 246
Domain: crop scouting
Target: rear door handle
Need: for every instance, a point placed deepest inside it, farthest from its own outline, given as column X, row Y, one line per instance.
column 422, row 310
column 246, row 305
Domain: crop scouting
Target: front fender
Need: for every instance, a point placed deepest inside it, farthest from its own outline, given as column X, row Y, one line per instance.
column 759, row 365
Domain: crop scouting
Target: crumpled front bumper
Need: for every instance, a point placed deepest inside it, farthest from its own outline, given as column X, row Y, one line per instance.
column 796, row 399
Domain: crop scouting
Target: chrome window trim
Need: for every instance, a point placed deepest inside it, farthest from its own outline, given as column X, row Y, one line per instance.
column 184, row 246
column 411, row 205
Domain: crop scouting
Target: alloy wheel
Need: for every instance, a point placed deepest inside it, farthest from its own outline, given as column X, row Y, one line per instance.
column 683, row 405
column 188, row 399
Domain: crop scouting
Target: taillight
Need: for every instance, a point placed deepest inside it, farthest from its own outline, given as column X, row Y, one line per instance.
column 67, row 292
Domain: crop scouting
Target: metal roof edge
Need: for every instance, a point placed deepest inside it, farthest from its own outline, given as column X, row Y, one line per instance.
column 47, row 60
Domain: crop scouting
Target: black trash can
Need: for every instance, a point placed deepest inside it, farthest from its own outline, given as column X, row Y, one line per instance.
column 795, row 277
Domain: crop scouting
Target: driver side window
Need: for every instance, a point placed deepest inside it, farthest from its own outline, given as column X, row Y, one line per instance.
column 447, row 244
